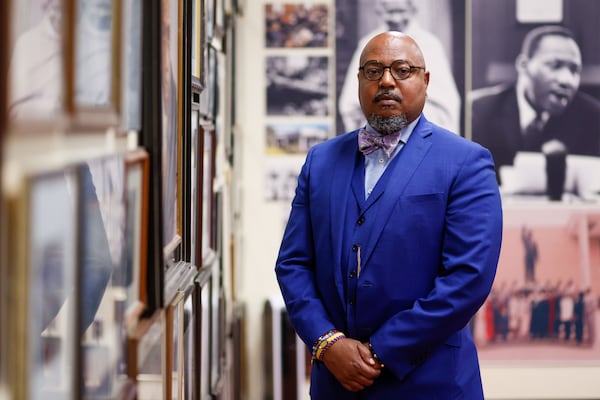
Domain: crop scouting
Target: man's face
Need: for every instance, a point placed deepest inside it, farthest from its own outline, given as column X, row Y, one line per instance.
column 387, row 97
column 553, row 74
column 396, row 13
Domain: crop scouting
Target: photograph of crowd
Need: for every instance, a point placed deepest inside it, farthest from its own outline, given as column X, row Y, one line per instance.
column 296, row 25
column 544, row 302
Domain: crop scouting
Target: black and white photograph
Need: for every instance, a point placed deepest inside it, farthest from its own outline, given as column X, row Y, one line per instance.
column 36, row 57
column 295, row 138
column 94, row 25
column 295, row 25
column 281, row 174
column 131, row 74
column 437, row 25
column 297, row 85
column 535, row 99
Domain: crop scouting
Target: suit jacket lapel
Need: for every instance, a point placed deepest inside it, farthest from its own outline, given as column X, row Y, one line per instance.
column 409, row 158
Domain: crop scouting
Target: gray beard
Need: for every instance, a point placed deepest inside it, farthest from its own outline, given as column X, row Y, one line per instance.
column 389, row 125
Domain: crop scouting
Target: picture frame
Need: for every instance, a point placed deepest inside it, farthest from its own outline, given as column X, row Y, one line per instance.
column 131, row 65
column 39, row 350
column 195, row 186
column 207, row 243
column 171, row 105
column 137, row 178
column 203, row 283
column 297, row 84
column 36, row 81
column 147, row 356
column 217, row 331
column 198, row 40
column 284, row 31
column 94, row 95
column 152, row 138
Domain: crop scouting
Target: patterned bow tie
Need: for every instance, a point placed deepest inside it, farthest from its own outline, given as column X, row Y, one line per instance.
column 369, row 142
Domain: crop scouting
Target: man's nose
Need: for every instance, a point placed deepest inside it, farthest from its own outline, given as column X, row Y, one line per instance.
column 387, row 79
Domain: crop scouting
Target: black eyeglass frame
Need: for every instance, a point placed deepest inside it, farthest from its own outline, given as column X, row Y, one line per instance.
column 405, row 63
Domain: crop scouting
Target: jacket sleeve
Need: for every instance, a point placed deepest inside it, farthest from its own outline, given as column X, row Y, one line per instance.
column 295, row 266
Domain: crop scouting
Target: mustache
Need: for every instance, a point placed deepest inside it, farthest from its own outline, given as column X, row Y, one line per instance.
column 387, row 95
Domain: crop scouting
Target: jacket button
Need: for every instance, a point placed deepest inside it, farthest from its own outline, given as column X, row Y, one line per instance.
column 355, row 247
column 353, row 274
column 361, row 220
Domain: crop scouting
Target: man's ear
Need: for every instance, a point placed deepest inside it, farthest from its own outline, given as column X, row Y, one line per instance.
column 521, row 63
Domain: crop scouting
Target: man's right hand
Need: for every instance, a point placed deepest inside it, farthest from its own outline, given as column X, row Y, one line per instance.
column 351, row 362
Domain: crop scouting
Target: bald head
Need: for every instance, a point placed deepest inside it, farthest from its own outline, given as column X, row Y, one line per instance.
column 388, row 42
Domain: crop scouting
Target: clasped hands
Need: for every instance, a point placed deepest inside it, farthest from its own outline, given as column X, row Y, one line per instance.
column 352, row 363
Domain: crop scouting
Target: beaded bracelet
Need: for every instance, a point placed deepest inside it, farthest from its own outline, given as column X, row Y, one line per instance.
column 323, row 338
column 328, row 343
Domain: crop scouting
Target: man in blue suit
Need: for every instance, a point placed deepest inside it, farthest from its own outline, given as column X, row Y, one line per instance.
column 392, row 244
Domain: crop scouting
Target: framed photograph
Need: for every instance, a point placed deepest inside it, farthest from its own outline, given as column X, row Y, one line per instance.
column 203, row 284
column 295, row 138
column 544, row 308
column 39, row 346
column 207, row 244
column 36, row 79
column 280, row 177
column 220, row 21
column 101, row 269
column 95, row 95
column 171, row 41
column 195, row 186
column 134, row 279
column 198, row 39
column 131, row 65
column 291, row 25
column 207, row 96
column 297, row 85
column 536, row 156
column 439, row 28
column 210, row 19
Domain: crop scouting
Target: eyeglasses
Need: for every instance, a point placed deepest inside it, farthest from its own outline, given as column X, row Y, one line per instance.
column 400, row 70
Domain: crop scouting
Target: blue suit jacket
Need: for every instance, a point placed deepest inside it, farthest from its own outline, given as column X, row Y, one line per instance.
column 428, row 262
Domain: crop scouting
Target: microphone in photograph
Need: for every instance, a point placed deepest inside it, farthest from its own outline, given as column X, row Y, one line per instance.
column 555, row 153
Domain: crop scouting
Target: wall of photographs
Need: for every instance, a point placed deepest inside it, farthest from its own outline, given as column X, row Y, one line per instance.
column 117, row 147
